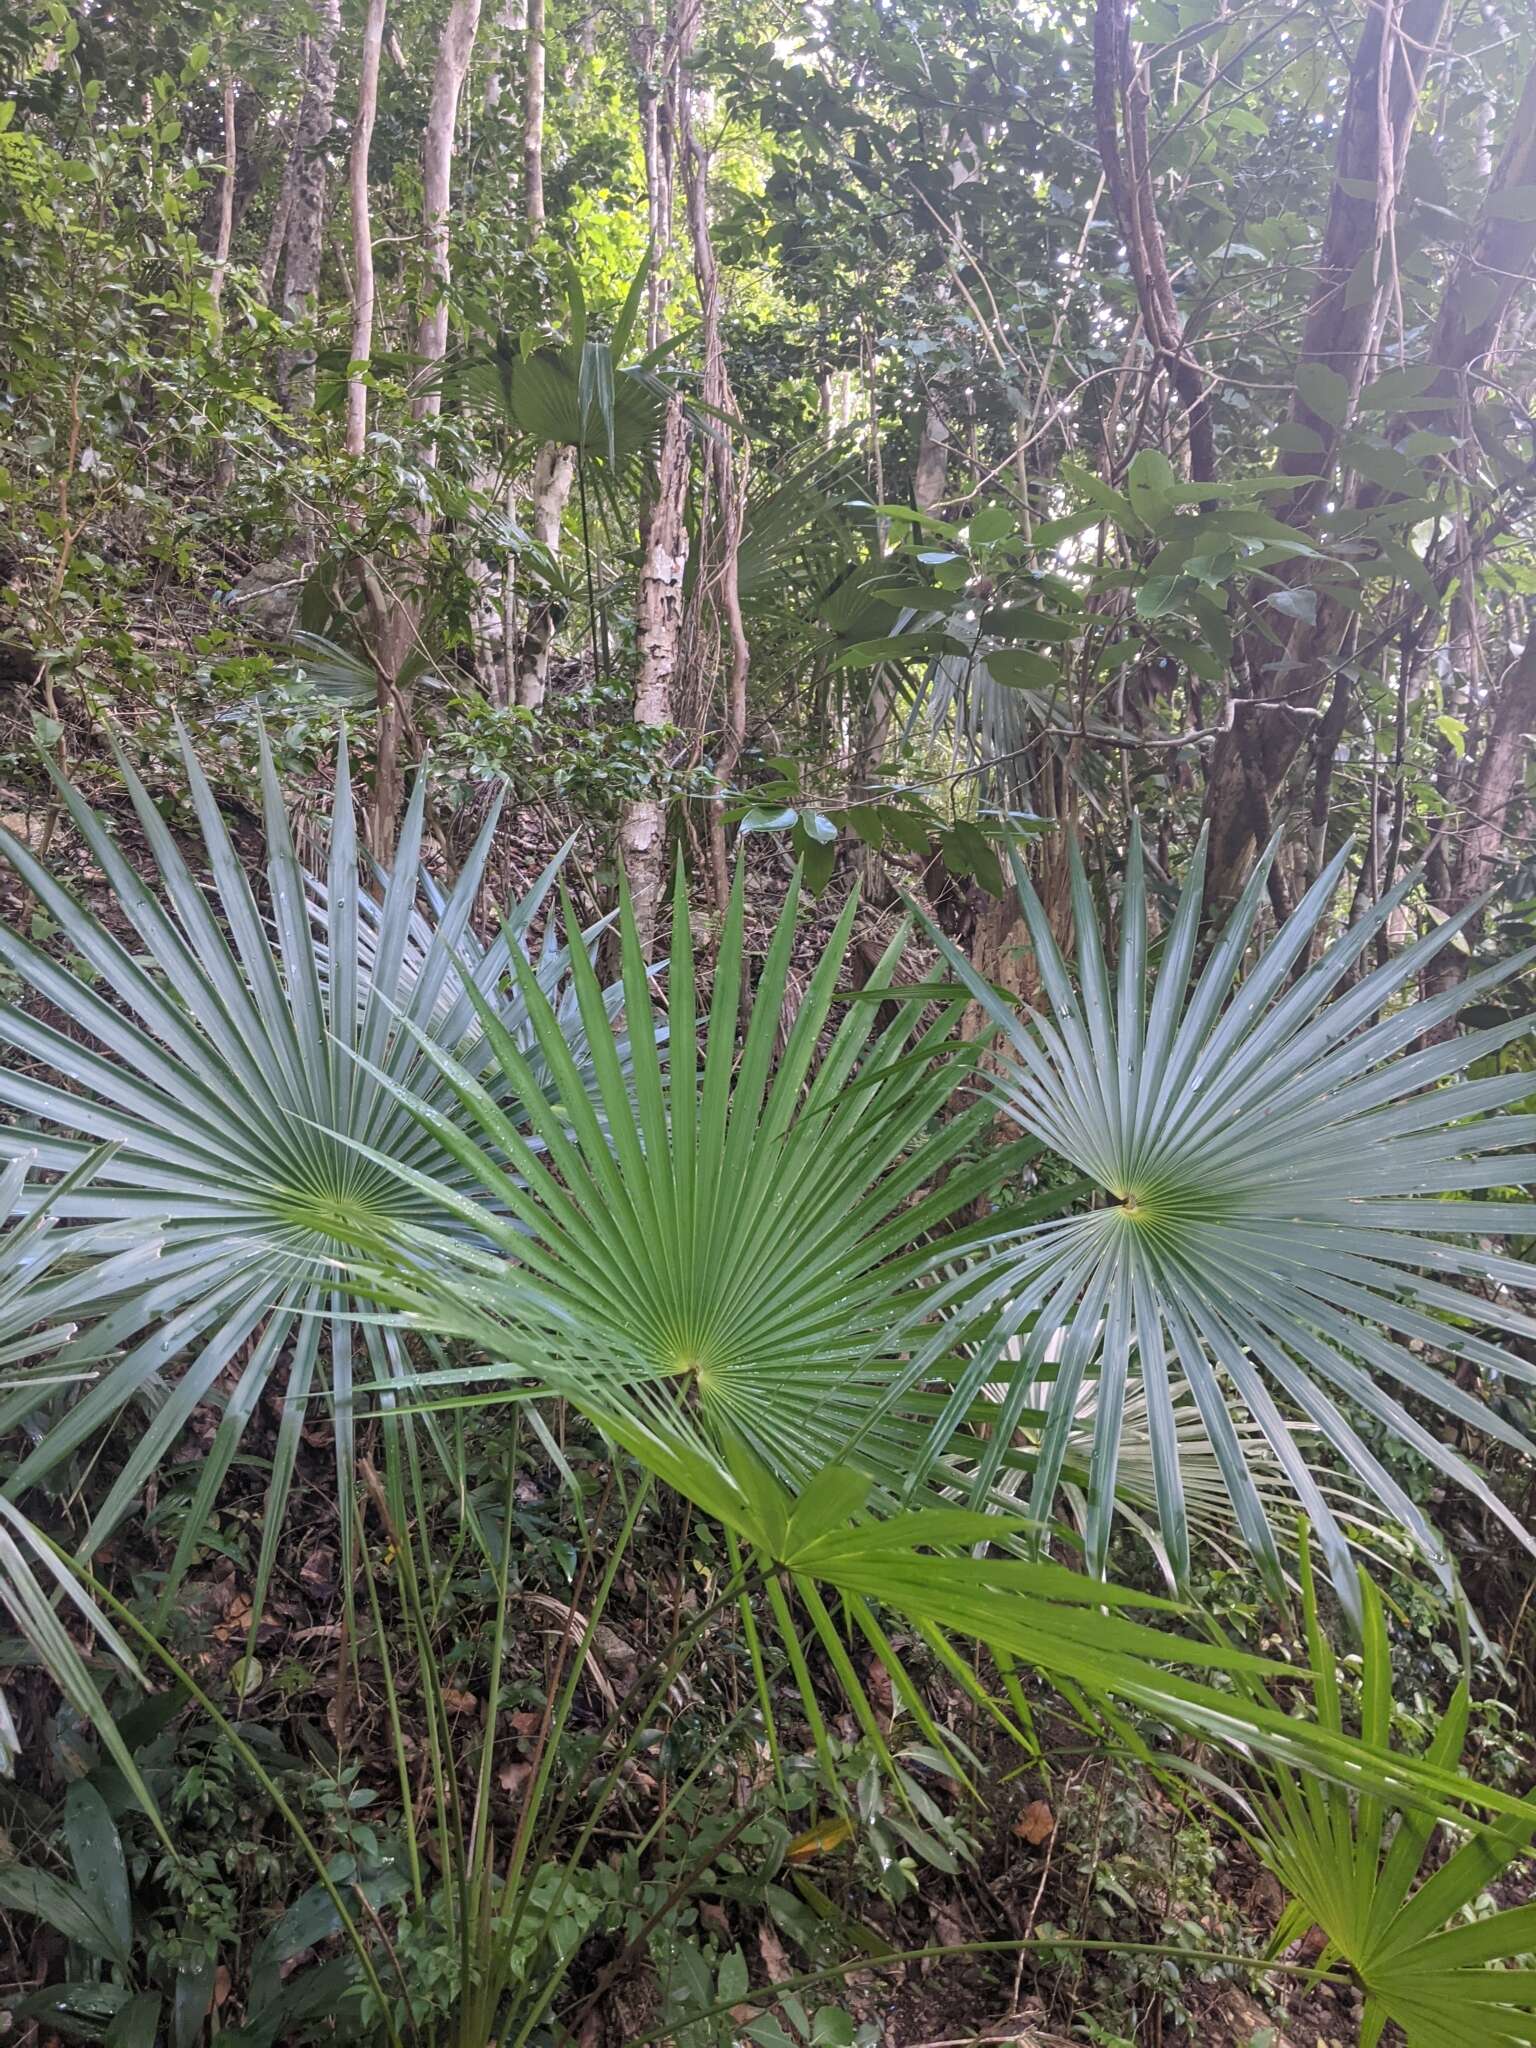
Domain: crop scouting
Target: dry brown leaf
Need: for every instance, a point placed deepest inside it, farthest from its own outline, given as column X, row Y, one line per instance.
column 773, row 1953
column 513, row 1775
column 1035, row 1823
column 459, row 1702
column 526, row 1726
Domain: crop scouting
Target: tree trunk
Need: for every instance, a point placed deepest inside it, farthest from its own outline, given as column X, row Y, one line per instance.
column 304, row 242
column 658, row 629
column 533, row 123
column 1497, row 786
column 717, row 583
column 1250, row 761
column 226, row 196
column 663, row 527
column 455, row 49
column 1120, row 98
column 398, row 629
column 554, row 470
column 554, row 474
column 362, row 227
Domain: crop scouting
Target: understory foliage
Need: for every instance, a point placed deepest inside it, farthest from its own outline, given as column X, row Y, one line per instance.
column 766, row 964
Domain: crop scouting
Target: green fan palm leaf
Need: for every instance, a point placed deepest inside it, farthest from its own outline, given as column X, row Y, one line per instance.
column 762, row 1230
column 1283, row 1160
column 1363, row 1874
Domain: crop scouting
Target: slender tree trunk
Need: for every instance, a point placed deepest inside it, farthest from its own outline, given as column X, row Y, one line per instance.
column 533, row 122
column 1250, row 762
column 362, row 227
column 1497, row 789
column 554, row 474
column 658, row 631
column 226, row 196
column 554, row 470
column 717, row 583
column 282, row 209
column 304, row 245
column 455, row 49
column 664, row 531
column 1120, row 96
column 398, row 630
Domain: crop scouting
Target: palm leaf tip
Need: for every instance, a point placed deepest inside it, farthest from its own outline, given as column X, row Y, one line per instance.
column 1289, row 1164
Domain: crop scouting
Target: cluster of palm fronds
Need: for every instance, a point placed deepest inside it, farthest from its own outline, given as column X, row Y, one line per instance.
column 327, row 1138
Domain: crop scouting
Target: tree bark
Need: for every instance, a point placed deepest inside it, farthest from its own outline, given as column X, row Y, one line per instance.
column 1250, row 761
column 226, row 196
column 362, row 227
column 554, row 470
column 455, row 48
column 304, row 240
column 1498, row 785
column 397, row 627
column 533, row 122
column 1120, row 99
column 663, row 527
column 658, row 630
column 554, row 474
column 717, row 584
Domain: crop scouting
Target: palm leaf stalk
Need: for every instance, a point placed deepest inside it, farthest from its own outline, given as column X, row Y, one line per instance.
column 232, row 1053
column 1287, row 1168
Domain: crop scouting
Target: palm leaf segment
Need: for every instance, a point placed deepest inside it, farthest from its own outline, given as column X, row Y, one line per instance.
column 236, row 1060
column 1285, row 1159
column 42, row 1268
column 1444, row 1980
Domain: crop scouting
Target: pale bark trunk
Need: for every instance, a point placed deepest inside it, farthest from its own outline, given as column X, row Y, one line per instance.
column 664, row 532
column 399, row 628
column 930, row 472
column 362, row 227
column 554, row 474
column 226, row 196
column 533, row 123
column 454, row 51
column 658, row 629
column 304, row 244
column 554, row 471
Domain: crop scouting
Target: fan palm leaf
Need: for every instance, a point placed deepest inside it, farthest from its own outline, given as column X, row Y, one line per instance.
column 229, row 1052
column 1385, row 1909
column 761, row 1233
column 1286, row 1166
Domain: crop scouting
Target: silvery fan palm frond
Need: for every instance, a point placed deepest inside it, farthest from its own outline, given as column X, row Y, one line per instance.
column 45, row 1271
column 236, row 1048
column 1293, row 1182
